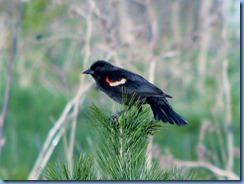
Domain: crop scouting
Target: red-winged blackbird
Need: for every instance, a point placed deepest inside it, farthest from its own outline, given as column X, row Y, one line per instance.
column 117, row 82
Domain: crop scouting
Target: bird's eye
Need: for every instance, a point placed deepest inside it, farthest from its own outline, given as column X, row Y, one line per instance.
column 98, row 69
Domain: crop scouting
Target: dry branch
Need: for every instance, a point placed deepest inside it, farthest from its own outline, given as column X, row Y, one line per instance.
column 230, row 175
column 12, row 56
column 54, row 136
column 56, row 133
column 227, row 90
column 205, row 19
column 153, row 24
column 80, row 91
column 228, row 121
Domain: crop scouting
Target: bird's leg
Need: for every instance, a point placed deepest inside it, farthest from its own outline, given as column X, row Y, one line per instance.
column 116, row 116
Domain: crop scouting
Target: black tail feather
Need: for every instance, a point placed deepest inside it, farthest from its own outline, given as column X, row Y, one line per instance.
column 163, row 111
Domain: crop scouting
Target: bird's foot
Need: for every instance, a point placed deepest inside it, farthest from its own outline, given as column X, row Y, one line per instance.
column 116, row 116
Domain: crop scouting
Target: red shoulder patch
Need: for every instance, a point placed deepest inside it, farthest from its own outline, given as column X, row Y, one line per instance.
column 115, row 83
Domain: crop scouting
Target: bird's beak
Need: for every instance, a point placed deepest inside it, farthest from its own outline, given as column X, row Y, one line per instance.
column 89, row 71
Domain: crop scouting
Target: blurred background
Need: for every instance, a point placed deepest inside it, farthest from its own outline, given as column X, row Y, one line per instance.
column 190, row 49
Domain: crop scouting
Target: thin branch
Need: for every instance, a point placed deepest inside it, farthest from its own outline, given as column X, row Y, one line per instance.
column 152, row 68
column 176, row 21
column 80, row 91
column 230, row 175
column 218, row 109
column 152, row 41
column 54, row 135
column 34, row 174
column 57, row 131
column 226, row 84
column 205, row 18
column 12, row 56
column 150, row 138
column 228, row 122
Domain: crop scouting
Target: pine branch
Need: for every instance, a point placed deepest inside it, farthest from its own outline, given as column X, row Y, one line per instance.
column 120, row 151
column 81, row 169
column 121, row 146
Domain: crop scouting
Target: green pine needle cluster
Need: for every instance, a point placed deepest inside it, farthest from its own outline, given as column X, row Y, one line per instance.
column 82, row 169
column 120, row 150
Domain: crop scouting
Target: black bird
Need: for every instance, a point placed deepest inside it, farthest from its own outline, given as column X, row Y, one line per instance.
column 117, row 82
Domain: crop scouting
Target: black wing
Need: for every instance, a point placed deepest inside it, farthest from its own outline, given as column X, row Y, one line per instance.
column 139, row 85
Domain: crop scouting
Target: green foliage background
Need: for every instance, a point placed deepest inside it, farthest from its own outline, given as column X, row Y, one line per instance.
column 52, row 53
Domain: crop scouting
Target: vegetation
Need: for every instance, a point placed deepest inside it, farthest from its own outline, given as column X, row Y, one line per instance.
column 190, row 49
column 120, row 151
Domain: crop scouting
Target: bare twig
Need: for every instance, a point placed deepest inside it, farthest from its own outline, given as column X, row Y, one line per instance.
column 12, row 56
column 150, row 138
column 54, row 136
column 153, row 25
column 34, row 174
column 58, row 130
column 218, row 109
column 152, row 71
column 226, row 84
column 228, row 121
column 176, row 21
column 230, row 175
column 152, row 41
column 76, row 105
column 203, row 53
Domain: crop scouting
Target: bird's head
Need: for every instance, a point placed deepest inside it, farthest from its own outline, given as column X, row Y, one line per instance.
column 99, row 68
